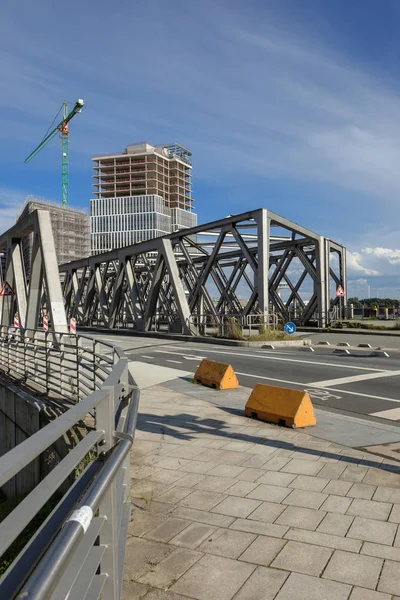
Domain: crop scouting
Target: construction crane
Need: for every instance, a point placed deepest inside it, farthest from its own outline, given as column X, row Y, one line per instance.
column 61, row 128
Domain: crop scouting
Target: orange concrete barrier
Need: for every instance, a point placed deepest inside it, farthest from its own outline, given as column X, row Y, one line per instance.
column 215, row 374
column 284, row 406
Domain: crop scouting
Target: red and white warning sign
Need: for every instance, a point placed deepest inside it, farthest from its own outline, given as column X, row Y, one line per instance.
column 72, row 325
column 16, row 320
column 340, row 292
column 7, row 290
column 45, row 323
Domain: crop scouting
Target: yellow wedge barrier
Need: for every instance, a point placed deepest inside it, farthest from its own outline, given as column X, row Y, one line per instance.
column 215, row 374
column 284, row 406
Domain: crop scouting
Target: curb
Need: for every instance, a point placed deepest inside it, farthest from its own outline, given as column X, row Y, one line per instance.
column 188, row 338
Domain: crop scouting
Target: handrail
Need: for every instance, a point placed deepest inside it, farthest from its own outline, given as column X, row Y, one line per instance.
column 64, row 361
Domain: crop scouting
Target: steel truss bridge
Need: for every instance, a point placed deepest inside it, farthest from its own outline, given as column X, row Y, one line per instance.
column 255, row 265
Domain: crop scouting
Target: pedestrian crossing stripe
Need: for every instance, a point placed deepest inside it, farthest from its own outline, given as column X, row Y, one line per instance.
column 7, row 290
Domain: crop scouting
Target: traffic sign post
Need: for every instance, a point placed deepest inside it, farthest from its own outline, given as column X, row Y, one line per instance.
column 45, row 322
column 290, row 328
column 16, row 320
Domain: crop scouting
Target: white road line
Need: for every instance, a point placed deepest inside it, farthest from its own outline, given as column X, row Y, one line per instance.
column 295, row 360
column 392, row 414
column 177, row 362
column 151, row 357
column 304, row 385
column 354, row 378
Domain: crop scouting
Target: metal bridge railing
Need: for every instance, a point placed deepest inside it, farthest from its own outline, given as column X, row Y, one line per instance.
column 78, row 551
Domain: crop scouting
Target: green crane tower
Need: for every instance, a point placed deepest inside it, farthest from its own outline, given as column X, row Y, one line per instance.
column 62, row 128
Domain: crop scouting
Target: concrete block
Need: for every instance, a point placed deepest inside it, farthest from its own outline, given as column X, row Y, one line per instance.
column 263, row 584
column 166, row 530
column 370, row 509
column 354, row 569
column 304, row 518
column 305, row 587
column 275, row 478
column 323, row 539
column 306, row 482
column 259, row 527
column 236, row 507
column 362, row 490
column 202, row 499
column 193, row 535
column 220, row 578
column 338, row 488
column 303, row 467
column 371, row 530
column 201, row 516
column 267, row 511
column 390, row 578
column 171, row 568
column 263, row 550
column 227, row 542
column 302, row 558
column 336, row 504
column 335, row 524
column 363, row 594
column 272, row 493
column 305, row 498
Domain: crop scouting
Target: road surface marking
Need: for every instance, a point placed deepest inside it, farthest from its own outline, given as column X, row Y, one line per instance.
column 392, row 414
column 177, row 362
column 295, row 360
column 302, row 385
column 151, row 357
column 322, row 394
column 354, row 378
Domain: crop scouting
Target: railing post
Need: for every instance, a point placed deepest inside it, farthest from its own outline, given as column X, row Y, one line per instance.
column 105, row 414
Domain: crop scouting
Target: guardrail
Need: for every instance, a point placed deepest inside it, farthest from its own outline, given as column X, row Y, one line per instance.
column 78, row 551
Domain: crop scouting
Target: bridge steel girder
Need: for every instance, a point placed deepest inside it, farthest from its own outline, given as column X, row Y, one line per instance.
column 184, row 278
column 43, row 287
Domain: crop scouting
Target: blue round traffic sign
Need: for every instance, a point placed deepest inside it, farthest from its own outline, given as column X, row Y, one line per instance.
column 290, row 328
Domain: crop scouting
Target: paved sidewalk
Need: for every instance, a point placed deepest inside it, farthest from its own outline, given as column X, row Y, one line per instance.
column 225, row 507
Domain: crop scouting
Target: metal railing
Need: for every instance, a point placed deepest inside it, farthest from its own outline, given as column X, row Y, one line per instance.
column 78, row 551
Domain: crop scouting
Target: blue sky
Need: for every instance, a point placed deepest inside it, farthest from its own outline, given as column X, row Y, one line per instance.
column 287, row 104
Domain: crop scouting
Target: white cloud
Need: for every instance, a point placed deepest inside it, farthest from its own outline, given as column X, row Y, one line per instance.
column 391, row 256
column 354, row 266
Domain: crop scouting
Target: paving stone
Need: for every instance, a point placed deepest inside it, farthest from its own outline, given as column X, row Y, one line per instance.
column 250, row 474
column 263, row 584
column 202, row 499
column 276, row 463
column 272, row 493
column 238, row 446
column 304, row 587
column 267, row 511
column 141, row 554
column 302, row 467
column 263, row 550
column 172, row 463
column 197, row 466
column 213, row 577
column 381, row 551
column 335, row 524
column 227, row 543
column 380, row 477
column 369, row 509
column 164, row 595
column 306, row 482
column 142, row 521
column 305, row 499
column 191, row 479
column 165, row 531
column 337, row 487
column 236, row 507
column 202, row 516
column 131, row 590
column 323, row 539
column 171, row 568
column 354, row 473
column 390, row 578
column 363, row 594
column 395, row 514
column 230, row 471
column 240, row 488
column 162, row 508
column 259, row 527
column 302, row 558
column 142, row 488
column 332, row 471
column 304, row 518
column 336, row 504
column 361, row 490
column 175, row 494
column 230, row 458
column 354, row 569
column 306, row 455
column 193, row 535
column 258, row 460
column 215, row 484
column 387, row 494
column 166, row 476
column 276, row 478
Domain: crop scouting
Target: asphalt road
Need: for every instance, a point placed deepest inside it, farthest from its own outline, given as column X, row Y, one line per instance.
column 352, row 384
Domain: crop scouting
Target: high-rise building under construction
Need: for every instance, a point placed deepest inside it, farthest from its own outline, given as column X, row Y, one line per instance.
column 141, row 193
